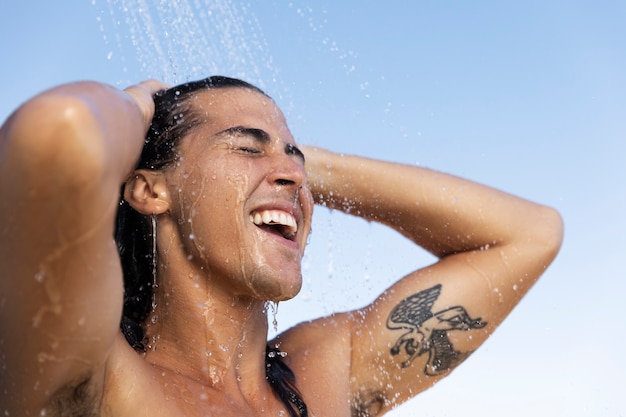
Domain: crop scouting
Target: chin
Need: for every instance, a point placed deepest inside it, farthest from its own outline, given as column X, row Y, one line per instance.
column 270, row 285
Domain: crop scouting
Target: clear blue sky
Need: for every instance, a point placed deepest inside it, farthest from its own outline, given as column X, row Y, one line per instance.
column 526, row 96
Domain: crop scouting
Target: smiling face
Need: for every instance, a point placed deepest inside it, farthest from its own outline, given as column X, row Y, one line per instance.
column 240, row 197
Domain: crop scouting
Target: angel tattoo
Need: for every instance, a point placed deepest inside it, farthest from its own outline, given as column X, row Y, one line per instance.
column 427, row 331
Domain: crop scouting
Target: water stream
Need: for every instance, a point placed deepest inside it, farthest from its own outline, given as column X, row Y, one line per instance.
column 181, row 40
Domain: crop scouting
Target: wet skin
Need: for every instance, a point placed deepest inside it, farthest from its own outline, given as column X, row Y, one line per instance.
column 242, row 161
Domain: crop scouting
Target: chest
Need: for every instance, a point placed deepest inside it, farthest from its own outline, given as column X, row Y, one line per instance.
column 167, row 396
column 134, row 388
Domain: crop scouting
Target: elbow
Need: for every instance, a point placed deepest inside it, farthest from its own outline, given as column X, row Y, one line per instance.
column 54, row 138
column 547, row 235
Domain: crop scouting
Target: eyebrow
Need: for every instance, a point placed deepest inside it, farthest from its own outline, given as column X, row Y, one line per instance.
column 259, row 135
column 262, row 137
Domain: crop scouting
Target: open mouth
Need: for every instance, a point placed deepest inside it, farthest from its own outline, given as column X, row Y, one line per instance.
column 276, row 221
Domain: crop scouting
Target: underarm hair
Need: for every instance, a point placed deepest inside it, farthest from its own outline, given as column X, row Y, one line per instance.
column 74, row 400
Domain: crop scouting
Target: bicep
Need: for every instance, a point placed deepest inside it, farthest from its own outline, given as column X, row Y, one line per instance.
column 429, row 322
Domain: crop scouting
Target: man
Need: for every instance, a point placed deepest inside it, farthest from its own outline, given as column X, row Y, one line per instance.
column 228, row 199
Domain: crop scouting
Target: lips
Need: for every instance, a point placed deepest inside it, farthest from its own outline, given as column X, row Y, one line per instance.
column 276, row 221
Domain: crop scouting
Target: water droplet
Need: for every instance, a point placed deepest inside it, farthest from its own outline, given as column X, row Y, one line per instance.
column 273, row 306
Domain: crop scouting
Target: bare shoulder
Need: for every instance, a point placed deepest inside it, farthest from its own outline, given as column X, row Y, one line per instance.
column 129, row 383
column 319, row 354
column 135, row 387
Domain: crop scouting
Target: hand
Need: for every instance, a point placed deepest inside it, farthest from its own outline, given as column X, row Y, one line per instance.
column 142, row 96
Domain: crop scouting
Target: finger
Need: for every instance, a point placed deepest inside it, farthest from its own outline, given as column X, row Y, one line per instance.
column 151, row 86
column 142, row 95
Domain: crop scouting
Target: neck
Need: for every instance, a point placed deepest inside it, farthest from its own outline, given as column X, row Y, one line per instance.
column 209, row 336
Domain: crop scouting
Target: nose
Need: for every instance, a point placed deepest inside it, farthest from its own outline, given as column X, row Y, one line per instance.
column 287, row 170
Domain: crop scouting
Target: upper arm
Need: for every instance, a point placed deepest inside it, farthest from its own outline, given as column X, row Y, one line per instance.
column 426, row 324
column 61, row 286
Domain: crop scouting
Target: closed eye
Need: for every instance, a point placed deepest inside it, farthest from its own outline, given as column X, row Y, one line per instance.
column 249, row 150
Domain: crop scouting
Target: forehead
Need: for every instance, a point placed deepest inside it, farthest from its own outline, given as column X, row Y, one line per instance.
column 228, row 107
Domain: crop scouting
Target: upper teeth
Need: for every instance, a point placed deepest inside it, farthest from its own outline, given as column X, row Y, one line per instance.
column 273, row 217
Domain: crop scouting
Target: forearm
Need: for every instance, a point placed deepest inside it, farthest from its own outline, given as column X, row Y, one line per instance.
column 493, row 247
column 442, row 213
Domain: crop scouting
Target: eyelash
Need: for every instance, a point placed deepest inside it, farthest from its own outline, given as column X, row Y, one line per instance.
column 249, row 150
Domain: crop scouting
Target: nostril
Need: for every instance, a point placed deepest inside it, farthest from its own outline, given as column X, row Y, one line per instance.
column 281, row 181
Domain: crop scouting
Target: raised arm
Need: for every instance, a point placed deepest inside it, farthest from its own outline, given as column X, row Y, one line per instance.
column 492, row 247
column 63, row 156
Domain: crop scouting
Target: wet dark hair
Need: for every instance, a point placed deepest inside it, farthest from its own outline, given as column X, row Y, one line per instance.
column 174, row 117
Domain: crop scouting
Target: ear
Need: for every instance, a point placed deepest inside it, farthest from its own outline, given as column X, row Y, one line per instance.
column 146, row 191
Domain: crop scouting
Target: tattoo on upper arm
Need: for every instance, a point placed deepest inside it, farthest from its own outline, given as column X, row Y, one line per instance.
column 426, row 332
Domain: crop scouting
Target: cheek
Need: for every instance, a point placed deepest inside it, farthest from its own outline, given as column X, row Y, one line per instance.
column 210, row 207
column 198, row 187
column 191, row 195
column 306, row 201
column 307, row 205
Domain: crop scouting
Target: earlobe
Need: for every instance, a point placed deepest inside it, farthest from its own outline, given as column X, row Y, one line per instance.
column 146, row 192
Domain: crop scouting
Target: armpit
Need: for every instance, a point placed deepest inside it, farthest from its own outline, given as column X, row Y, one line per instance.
column 368, row 404
column 75, row 400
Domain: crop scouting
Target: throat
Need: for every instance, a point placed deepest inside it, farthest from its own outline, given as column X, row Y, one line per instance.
column 210, row 343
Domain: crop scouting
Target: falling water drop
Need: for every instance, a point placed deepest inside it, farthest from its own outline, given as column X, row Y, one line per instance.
column 188, row 39
column 273, row 306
